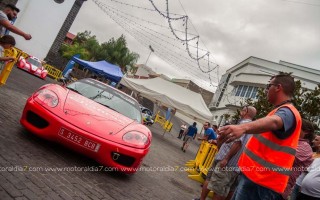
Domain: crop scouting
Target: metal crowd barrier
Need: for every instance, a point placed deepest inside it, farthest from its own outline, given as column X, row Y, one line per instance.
column 15, row 52
column 5, row 72
column 53, row 72
column 199, row 167
column 166, row 125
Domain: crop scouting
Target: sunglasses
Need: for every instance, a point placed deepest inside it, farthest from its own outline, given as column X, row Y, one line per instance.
column 269, row 85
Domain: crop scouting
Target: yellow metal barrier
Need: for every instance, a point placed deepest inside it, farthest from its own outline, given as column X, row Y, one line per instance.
column 166, row 125
column 8, row 65
column 53, row 72
column 20, row 53
column 200, row 165
column 159, row 119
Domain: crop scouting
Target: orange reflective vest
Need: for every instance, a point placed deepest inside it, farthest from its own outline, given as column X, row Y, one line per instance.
column 267, row 160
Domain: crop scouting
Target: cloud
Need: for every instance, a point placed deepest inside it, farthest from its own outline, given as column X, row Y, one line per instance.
column 231, row 30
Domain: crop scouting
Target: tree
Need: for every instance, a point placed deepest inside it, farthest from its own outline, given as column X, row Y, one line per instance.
column 113, row 51
column 306, row 101
column 68, row 51
column 83, row 37
column 117, row 52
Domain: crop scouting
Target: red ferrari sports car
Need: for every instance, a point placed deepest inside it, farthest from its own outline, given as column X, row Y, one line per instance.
column 32, row 65
column 92, row 118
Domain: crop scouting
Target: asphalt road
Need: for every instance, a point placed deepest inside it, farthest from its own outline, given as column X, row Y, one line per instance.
column 25, row 160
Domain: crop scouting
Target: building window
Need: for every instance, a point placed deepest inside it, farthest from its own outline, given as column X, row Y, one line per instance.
column 246, row 91
column 239, row 88
column 249, row 91
column 254, row 93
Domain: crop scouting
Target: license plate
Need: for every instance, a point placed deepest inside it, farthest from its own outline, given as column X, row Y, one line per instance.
column 80, row 140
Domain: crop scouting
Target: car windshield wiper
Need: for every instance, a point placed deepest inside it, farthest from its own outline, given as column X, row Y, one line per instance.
column 74, row 90
column 107, row 106
column 95, row 96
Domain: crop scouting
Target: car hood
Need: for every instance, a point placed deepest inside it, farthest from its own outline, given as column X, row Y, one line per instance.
column 93, row 117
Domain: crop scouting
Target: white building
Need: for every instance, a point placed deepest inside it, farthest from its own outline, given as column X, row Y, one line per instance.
column 43, row 20
column 243, row 80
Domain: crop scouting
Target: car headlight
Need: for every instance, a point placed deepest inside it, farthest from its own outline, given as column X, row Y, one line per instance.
column 135, row 137
column 46, row 97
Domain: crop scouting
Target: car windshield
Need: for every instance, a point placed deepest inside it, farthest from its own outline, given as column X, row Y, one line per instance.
column 34, row 62
column 108, row 97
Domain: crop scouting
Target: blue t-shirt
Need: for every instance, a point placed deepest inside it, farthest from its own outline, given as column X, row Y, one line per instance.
column 289, row 123
column 192, row 130
column 211, row 134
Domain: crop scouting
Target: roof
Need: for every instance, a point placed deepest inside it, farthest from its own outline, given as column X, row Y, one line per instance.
column 171, row 95
column 108, row 70
column 71, row 36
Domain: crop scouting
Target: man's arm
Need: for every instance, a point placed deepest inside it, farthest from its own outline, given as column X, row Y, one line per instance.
column 9, row 26
column 7, row 58
column 233, row 150
column 269, row 123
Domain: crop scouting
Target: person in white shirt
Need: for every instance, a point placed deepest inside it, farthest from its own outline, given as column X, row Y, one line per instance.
column 310, row 187
column 182, row 129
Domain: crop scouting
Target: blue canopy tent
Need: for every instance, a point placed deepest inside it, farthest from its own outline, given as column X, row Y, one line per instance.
column 103, row 68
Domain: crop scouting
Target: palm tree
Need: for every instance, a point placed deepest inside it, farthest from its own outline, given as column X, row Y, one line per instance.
column 117, row 52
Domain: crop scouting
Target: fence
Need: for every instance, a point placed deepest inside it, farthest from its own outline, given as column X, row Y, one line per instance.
column 199, row 167
column 166, row 125
column 52, row 71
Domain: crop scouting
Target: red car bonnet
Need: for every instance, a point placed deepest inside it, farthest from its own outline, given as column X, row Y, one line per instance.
column 93, row 117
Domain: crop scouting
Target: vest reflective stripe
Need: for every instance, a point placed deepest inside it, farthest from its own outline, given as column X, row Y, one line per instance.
column 275, row 146
column 267, row 160
column 268, row 165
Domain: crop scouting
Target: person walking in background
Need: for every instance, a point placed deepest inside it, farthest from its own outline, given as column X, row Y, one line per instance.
column 6, row 42
column 9, row 13
column 182, row 129
column 189, row 136
column 220, row 180
column 272, row 146
column 303, row 157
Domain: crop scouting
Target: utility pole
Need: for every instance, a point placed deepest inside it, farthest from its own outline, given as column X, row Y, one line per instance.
column 151, row 50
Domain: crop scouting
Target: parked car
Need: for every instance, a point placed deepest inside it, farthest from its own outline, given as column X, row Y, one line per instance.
column 147, row 119
column 146, row 110
column 32, row 65
column 92, row 118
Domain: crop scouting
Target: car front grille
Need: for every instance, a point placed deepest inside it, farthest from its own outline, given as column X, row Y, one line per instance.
column 36, row 120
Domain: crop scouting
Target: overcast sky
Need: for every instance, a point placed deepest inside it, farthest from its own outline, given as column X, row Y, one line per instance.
column 231, row 31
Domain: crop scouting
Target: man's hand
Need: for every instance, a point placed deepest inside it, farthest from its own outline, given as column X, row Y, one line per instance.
column 9, row 59
column 27, row 36
column 223, row 163
column 231, row 132
column 213, row 142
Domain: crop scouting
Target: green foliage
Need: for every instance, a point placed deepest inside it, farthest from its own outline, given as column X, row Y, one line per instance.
column 114, row 51
column 68, row 51
column 306, row 101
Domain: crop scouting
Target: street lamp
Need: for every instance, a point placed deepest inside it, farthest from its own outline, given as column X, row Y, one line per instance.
column 151, row 50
